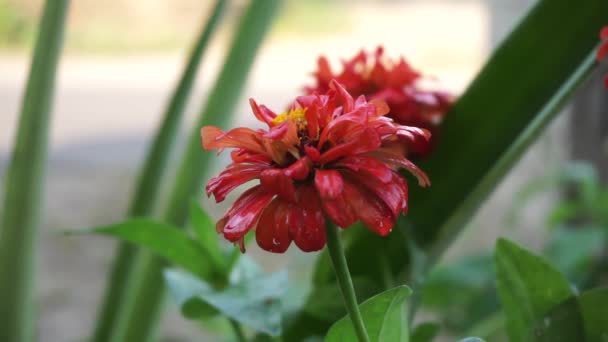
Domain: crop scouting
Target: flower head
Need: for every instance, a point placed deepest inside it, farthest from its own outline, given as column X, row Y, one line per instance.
column 602, row 53
column 327, row 157
column 395, row 82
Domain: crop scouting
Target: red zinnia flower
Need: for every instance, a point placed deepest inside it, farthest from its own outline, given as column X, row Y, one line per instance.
column 376, row 77
column 603, row 51
column 327, row 156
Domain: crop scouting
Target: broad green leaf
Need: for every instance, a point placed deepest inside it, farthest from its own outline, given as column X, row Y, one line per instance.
column 384, row 316
column 254, row 301
column 579, row 318
column 204, row 229
column 24, row 181
column 528, row 288
column 425, row 332
column 164, row 240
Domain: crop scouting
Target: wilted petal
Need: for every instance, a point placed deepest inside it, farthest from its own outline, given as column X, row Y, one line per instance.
column 272, row 231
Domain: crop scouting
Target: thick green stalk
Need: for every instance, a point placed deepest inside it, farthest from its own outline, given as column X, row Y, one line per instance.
column 336, row 252
column 148, row 186
column 144, row 302
column 24, row 182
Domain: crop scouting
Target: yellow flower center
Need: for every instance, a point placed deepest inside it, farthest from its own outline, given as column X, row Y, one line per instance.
column 297, row 115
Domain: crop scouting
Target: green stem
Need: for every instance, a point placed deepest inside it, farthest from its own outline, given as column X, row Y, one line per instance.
column 147, row 191
column 145, row 297
column 24, row 182
column 238, row 332
column 336, row 251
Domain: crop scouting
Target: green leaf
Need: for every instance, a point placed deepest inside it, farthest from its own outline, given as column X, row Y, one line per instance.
column 384, row 317
column 580, row 318
column 571, row 250
column 24, row 182
column 204, row 229
column 164, row 240
column 528, row 288
column 254, row 301
column 425, row 332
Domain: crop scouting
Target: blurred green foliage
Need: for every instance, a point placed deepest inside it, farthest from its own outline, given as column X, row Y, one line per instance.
column 16, row 27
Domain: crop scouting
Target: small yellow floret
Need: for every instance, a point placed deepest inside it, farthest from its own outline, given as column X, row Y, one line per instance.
column 297, row 115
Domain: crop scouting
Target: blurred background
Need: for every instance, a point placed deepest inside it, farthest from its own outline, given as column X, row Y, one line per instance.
column 122, row 59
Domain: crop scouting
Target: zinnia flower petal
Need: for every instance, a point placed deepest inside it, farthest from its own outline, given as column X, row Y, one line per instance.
column 244, row 213
column 370, row 209
column 272, row 232
column 277, row 182
column 365, row 141
column 245, row 138
column 329, row 183
column 234, row 175
column 307, row 223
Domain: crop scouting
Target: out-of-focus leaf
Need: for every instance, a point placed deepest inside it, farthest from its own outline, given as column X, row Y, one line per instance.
column 425, row 332
column 253, row 299
column 451, row 283
column 528, row 288
column 462, row 293
column 384, row 317
column 204, row 228
column 164, row 240
column 579, row 318
column 571, row 250
column 24, row 181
